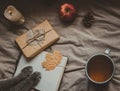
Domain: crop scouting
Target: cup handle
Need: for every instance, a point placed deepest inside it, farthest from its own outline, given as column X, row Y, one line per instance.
column 107, row 51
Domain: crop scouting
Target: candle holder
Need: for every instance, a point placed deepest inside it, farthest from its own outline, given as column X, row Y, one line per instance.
column 13, row 15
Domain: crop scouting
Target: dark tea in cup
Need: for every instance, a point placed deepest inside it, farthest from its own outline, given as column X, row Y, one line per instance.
column 100, row 68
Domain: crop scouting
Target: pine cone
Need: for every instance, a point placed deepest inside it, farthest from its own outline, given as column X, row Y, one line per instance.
column 88, row 20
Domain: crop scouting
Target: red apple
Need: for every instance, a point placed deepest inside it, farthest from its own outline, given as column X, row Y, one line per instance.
column 67, row 12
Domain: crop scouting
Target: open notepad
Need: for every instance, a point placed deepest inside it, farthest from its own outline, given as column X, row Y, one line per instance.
column 50, row 80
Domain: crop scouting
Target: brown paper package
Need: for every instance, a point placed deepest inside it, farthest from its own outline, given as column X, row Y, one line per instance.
column 30, row 51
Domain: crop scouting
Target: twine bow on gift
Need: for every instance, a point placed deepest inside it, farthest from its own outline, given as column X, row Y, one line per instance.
column 36, row 37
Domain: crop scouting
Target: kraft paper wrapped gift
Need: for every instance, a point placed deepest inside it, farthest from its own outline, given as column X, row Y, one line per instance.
column 36, row 40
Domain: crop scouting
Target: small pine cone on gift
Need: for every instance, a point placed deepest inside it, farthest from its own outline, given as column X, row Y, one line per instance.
column 88, row 20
